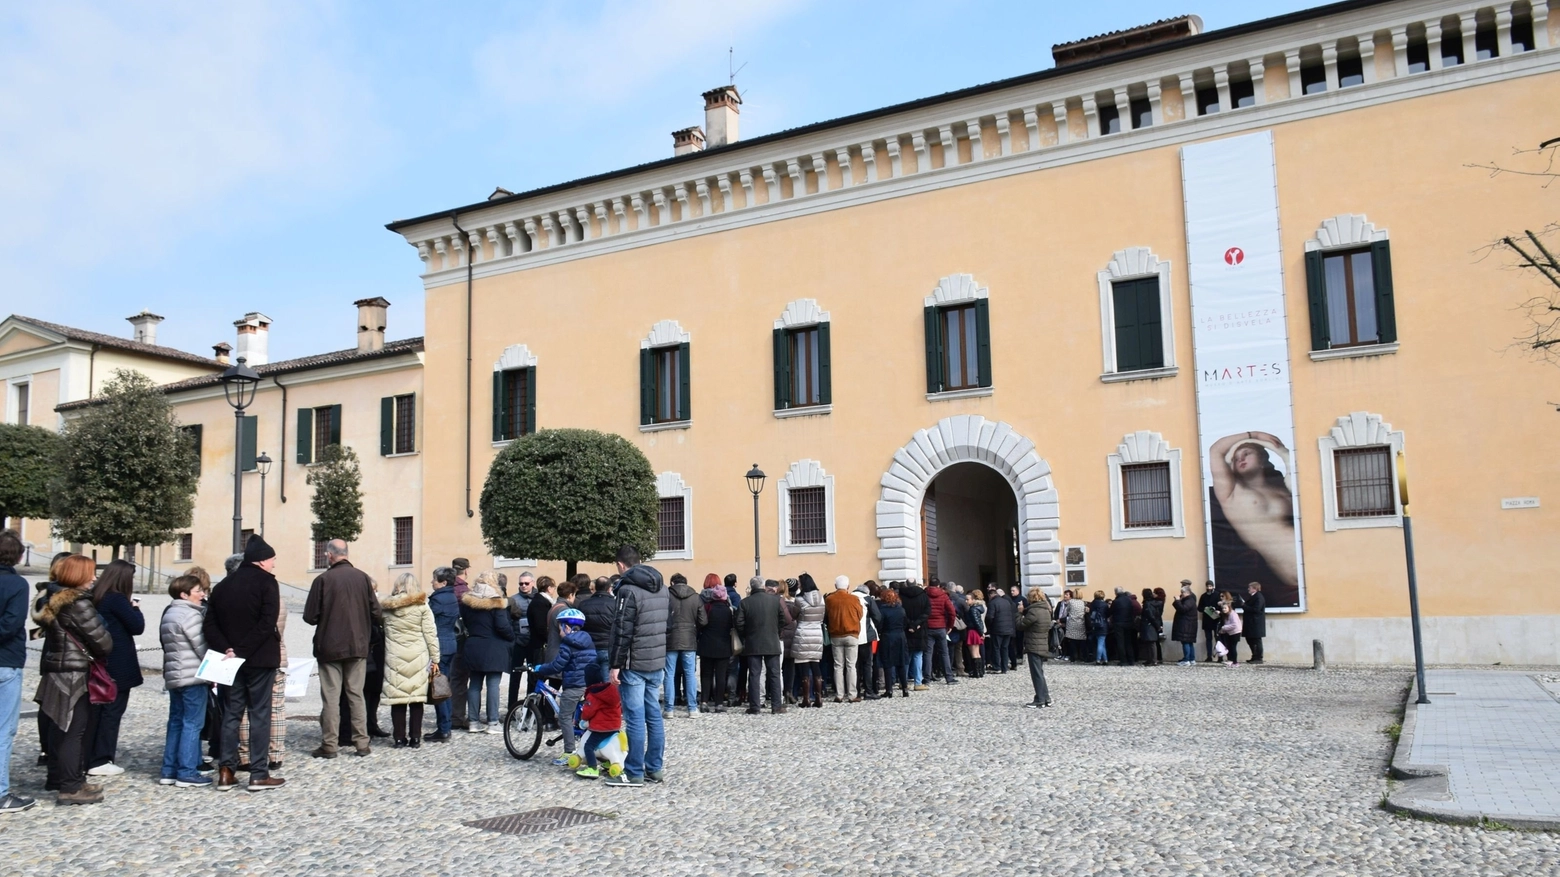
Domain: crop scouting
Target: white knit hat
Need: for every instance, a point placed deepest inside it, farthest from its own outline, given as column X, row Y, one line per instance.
column 841, row 583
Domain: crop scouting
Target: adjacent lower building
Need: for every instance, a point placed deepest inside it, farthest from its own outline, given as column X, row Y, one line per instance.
column 1187, row 306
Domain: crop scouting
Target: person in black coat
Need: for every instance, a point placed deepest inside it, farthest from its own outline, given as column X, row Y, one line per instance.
column 1123, row 625
column 1151, row 626
column 1254, row 621
column 489, row 638
column 918, row 608
column 123, row 620
column 891, row 642
column 1184, row 628
column 1210, row 620
column 714, row 645
column 1002, row 626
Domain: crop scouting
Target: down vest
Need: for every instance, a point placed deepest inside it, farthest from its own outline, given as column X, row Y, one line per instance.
column 810, row 617
column 183, row 642
column 639, row 630
column 411, row 644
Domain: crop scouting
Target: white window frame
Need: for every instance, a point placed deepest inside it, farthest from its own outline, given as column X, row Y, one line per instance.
column 804, row 313
column 1348, row 231
column 393, row 564
column 1135, row 263
column 512, row 562
column 666, row 334
column 805, row 473
column 667, row 486
column 1145, row 447
column 12, row 409
column 952, row 291
column 1360, row 429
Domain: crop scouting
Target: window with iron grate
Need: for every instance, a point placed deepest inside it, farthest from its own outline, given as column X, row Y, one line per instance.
column 1363, row 478
column 809, row 516
column 186, row 546
column 403, row 541
column 1145, row 495
column 319, row 555
column 405, row 424
column 671, row 536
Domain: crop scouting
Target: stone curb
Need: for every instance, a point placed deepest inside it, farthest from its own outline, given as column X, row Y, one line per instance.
column 1425, row 790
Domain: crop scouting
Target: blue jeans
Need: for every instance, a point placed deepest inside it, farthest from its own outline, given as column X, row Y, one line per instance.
column 186, row 717
column 915, row 667
column 1189, row 652
column 1099, row 648
column 10, row 712
column 641, row 693
column 474, row 696
column 593, row 741
column 683, row 662
column 441, row 710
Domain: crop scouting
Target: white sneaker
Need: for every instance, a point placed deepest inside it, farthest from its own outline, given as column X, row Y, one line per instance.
column 476, row 728
column 496, row 728
column 106, row 770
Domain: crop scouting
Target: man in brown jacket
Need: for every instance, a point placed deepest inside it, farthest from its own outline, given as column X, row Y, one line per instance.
column 842, row 612
column 343, row 607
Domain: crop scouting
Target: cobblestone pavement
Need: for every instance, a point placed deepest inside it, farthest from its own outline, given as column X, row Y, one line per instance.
column 1140, row 771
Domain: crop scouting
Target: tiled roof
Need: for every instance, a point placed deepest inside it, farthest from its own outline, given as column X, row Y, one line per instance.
column 287, row 366
column 124, row 344
column 1113, row 33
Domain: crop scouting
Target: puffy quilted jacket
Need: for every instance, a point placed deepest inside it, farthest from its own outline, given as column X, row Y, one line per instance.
column 639, row 630
column 183, row 643
column 810, row 618
column 74, row 634
column 411, row 644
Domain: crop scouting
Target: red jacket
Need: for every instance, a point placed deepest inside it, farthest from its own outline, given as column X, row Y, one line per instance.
column 943, row 612
column 603, row 707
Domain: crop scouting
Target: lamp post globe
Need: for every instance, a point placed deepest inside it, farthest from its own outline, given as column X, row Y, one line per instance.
column 262, row 463
column 755, row 483
column 239, row 385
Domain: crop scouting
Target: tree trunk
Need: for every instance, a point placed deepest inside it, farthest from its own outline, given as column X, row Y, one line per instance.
column 570, row 568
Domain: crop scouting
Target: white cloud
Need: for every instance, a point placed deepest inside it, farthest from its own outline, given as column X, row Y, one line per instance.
column 120, row 123
column 576, row 59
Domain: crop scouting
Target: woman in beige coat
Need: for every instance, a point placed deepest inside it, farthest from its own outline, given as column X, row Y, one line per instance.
column 411, row 647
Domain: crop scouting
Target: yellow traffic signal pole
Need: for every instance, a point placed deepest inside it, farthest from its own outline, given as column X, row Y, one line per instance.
column 1413, row 583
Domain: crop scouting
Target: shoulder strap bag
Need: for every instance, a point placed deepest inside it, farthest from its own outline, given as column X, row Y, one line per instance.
column 101, row 687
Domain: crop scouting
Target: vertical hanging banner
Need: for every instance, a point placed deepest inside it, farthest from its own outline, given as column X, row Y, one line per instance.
column 1240, row 343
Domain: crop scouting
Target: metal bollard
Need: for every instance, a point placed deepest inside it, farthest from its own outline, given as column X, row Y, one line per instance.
column 1318, row 656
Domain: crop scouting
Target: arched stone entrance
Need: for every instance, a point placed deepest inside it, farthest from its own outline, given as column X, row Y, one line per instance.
column 974, row 439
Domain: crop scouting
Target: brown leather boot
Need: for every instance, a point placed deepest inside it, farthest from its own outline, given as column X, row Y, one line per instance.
column 226, row 781
column 83, row 795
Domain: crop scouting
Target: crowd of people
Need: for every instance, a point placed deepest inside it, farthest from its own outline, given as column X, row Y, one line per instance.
column 629, row 648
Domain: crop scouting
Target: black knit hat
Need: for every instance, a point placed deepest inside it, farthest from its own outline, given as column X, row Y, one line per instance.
column 257, row 550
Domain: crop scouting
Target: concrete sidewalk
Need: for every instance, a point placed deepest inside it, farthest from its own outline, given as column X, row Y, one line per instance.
column 1486, row 747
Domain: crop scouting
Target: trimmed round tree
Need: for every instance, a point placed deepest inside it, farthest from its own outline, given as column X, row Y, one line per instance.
column 569, row 495
column 338, row 495
column 29, row 460
column 127, row 474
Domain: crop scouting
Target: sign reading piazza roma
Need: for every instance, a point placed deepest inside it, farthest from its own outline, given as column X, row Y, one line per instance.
column 1240, row 340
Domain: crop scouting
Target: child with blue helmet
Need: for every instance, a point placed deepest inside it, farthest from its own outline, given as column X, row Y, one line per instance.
column 576, row 652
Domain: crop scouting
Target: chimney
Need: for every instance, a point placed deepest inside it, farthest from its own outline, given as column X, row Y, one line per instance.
column 253, row 335
column 1167, row 30
column 220, row 351
column 687, row 140
column 145, row 324
column 371, row 324
column 722, row 110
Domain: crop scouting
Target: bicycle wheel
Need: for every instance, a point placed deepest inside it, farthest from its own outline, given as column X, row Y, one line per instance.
column 523, row 730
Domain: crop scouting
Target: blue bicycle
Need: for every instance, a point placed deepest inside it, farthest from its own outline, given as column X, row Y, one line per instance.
column 529, row 719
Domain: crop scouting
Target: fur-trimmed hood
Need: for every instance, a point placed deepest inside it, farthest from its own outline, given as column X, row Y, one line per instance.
column 44, row 615
column 472, row 601
column 401, row 601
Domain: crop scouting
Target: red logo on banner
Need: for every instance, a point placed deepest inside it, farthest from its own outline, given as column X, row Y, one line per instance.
column 1234, row 256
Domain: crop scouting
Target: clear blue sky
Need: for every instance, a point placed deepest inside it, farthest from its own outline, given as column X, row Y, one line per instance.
column 205, row 159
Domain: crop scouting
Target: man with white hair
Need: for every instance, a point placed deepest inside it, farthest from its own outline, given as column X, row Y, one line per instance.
column 342, row 607
column 842, row 612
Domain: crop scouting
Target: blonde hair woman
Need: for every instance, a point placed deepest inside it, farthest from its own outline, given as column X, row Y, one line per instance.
column 411, row 648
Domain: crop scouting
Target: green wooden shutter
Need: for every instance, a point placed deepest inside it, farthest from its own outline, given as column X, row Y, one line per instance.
column 782, row 369
column 646, row 385
column 1381, row 268
column 1124, row 303
column 684, row 403
column 335, row 424
column 530, row 399
column 1151, row 339
column 825, row 370
column 1316, row 292
column 250, row 431
column 305, row 435
column 934, row 375
column 498, row 407
column 983, row 340
column 387, row 426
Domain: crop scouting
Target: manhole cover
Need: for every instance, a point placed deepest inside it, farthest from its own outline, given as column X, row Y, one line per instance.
column 538, row 821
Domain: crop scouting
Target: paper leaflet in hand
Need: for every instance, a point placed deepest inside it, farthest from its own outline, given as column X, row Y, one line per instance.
column 298, row 673
column 217, row 667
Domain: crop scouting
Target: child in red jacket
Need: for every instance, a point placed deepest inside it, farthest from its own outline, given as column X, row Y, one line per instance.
column 602, row 716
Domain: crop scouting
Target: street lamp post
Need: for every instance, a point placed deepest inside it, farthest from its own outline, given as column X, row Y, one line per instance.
column 755, row 482
column 239, row 384
column 1413, row 580
column 263, row 463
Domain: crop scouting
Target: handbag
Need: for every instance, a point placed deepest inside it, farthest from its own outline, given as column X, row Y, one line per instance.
column 438, row 685
column 101, row 687
column 736, row 643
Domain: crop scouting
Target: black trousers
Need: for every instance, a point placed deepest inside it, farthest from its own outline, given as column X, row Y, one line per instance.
column 67, row 769
column 996, row 652
column 864, row 679
column 712, row 680
column 1126, row 643
column 105, row 738
column 767, row 666
column 459, row 677
column 1255, row 642
column 1208, row 638
column 251, row 692
column 373, row 689
column 398, row 721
